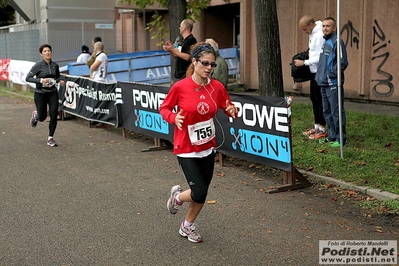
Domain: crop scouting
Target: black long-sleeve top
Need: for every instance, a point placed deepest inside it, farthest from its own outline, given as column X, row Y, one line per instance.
column 43, row 70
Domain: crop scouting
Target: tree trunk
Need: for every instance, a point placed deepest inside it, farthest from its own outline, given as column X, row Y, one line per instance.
column 177, row 12
column 268, row 46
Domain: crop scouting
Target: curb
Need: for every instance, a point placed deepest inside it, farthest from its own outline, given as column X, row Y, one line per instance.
column 372, row 192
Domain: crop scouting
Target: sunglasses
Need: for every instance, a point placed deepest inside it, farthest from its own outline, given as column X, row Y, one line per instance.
column 206, row 63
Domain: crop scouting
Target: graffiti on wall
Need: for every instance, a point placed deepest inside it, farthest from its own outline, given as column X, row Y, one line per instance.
column 383, row 86
column 352, row 35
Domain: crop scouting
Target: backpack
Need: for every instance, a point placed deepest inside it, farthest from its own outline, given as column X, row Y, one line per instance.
column 301, row 74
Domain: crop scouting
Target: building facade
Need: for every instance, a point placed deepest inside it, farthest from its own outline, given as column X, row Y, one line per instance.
column 367, row 28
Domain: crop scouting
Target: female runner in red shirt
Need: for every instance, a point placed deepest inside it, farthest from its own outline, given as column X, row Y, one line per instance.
column 197, row 98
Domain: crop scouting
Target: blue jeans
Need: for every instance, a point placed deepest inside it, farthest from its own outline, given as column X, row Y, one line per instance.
column 331, row 112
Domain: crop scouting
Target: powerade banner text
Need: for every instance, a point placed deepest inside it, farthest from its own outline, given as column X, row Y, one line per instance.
column 91, row 100
column 260, row 133
column 140, row 110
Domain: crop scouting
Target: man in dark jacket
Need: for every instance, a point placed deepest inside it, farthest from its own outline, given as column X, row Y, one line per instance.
column 327, row 79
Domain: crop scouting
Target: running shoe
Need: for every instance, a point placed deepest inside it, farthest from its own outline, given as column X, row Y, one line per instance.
column 326, row 140
column 310, row 132
column 335, row 144
column 172, row 205
column 191, row 233
column 33, row 119
column 51, row 142
column 318, row 135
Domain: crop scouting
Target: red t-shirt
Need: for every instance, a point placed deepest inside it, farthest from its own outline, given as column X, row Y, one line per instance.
column 199, row 104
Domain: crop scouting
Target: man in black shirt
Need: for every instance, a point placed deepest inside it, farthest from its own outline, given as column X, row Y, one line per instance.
column 182, row 56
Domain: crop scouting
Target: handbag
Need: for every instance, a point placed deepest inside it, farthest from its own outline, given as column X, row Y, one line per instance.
column 301, row 74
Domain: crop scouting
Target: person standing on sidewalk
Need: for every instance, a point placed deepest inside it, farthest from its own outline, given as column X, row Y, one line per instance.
column 99, row 69
column 45, row 74
column 327, row 79
column 316, row 40
column 197, row 99
column 182, row 56
column 92, row 58
column 221, row 72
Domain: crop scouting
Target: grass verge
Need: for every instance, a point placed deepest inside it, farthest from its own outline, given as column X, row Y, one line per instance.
column 371, row 155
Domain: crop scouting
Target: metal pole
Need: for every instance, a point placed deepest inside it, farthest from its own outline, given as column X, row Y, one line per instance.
column 339, row 86
column 82, row 27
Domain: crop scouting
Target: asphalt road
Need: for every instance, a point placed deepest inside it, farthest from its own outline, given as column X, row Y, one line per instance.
column 97, row 199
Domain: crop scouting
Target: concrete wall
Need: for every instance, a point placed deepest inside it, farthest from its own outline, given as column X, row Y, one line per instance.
column 368, row 30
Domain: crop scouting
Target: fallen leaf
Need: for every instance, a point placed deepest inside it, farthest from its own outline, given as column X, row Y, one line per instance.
column 211, row 201
column 262, row 190
column 351, row 193
column 221, row 175
column 389, row 145
column 334, row 199
column 360, row 163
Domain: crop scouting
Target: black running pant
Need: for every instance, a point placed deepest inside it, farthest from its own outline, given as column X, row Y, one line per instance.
column 198, row 173
column 41, row 102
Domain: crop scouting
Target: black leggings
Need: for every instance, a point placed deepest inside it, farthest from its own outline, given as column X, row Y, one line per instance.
column 317, row 103
column 198, row 173
column 41, row 102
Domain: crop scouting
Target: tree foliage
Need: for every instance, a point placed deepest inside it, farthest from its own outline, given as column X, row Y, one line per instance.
column 268, row 46
column 6, row 13
column 3, row 3
column 191, row 9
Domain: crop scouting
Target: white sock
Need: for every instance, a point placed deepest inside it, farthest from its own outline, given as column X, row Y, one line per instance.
column 49, row 137
column 322, row 129
column 187, row 224
column 177, row 198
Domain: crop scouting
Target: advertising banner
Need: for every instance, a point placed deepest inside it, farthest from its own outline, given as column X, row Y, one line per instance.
column 4, row 63
column 260, row 133
column 140, row 110
column 18, row 70
column 91, row 100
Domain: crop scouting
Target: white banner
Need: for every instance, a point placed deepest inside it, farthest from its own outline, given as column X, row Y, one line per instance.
column 18, row 70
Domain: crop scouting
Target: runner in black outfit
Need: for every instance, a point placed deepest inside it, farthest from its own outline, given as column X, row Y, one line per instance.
column 45, row 74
